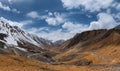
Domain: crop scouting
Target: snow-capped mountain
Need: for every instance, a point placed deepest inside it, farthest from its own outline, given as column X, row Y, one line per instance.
column 17, row 41
column 14, row 35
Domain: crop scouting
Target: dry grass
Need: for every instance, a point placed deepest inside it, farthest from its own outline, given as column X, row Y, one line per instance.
column 17, row 63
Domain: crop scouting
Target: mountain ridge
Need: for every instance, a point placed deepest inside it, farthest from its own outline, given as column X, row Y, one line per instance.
column 15, row 34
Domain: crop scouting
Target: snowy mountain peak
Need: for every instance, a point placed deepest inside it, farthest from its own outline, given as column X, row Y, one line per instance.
column 15, row 34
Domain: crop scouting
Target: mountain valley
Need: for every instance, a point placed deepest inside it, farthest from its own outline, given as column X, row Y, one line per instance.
column 93, row 50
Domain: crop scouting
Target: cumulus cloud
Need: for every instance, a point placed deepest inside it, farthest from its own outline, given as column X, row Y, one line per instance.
column 33, row 14
column 105, row 21
column 74, row 27
column 71, row 30
column 7, row 8
column 54, row 19
column 91, row 5
column 58, row 34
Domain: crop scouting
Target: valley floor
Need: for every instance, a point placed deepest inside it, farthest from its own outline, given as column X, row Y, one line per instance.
column 11, row 62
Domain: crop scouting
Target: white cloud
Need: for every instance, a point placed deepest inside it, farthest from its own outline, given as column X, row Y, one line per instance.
column 117, row 16
column 71, row 30
column 58, row 34
column 7, row 8
column 50, row 14
column 33, row 14
column 116, row 5
column 26, row 22
column 18, row 1
column 15, row 10
column 56, row 19
column 74, row 27
column 105, row 21
column 4, row 7
column 91, row 5
column 10, row 1
column 53, row 19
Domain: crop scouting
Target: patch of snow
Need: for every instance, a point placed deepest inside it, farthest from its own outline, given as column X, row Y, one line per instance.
column 21, row 49
column 2, row 41
column 10, row 40
column 5, row 47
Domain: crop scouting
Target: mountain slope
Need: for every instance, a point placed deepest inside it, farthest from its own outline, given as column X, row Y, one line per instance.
column 15, row 34
column 92, row 47
column 16, row 41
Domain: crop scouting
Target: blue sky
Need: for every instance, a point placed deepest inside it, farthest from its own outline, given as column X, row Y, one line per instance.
column 60, row 19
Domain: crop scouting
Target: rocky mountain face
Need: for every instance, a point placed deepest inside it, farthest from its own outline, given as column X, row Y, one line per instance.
column 83, row 37
column 17, row 41
column 14, row 35
column 94, row 36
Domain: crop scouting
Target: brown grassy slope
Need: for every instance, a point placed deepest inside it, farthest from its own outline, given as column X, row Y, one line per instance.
column 17, row 63
column 100, row 48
